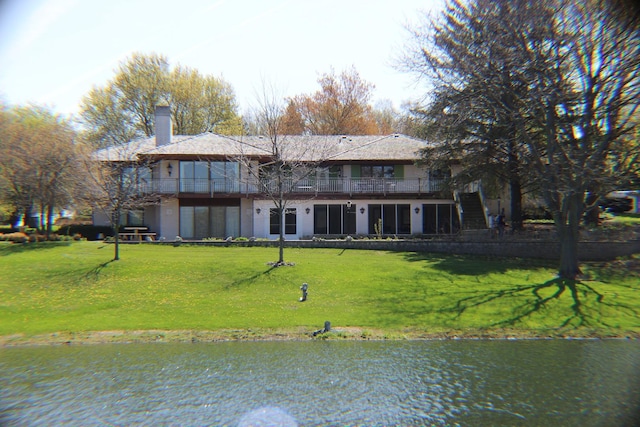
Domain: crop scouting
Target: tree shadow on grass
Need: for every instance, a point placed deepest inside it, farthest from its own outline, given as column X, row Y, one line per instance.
column 612, row 271
column 78, row 276
column 7, row 249
column 94, row 273
column 473, row 265
column 250, row 279
column 533, row 299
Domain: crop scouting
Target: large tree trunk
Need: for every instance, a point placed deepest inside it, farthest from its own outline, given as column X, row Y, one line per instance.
column 569, row 264
column 28, row 215
column 281, row 211
column 41, row 220
column 515, row 187
column 14, row 217
column 115, row 223
column 281, row 249
column 568, row 227
column 49, row 220
column 281, row 235
column 592, row 217
column 516, row 203
column 116, row 246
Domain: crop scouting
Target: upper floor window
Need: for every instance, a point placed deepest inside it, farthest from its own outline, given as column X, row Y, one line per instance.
column 439, row 174
column 334, row 171
column 367, row 171
column 194, row 170
column 132, row 175
column 208, row 170
column 204, row 176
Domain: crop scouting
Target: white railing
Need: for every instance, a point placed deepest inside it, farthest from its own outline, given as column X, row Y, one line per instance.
column 304, row 186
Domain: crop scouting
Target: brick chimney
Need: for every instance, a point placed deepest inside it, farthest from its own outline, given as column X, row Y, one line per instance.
column 163, row 125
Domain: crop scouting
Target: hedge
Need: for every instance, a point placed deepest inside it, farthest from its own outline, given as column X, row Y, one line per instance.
column 89, row 232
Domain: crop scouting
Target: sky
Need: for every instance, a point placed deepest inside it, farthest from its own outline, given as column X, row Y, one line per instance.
column 52, row 52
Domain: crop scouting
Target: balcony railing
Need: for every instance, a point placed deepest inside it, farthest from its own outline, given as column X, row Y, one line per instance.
column 348, row 186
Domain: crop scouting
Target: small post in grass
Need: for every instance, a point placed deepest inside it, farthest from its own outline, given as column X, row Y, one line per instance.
column 327, row 328
column 304, row 288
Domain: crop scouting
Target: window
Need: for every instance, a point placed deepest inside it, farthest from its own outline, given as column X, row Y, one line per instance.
column 439, row 174
column 225, row 176
column 290, row 218
column 327, row 178
column 136, row 177
column 439, row 219
column 335, row 171
column 201, row 222
column 437, row 179
column 390, row 219
column 186, row 177
column 377, row 171
column 198, row 222
column 334, row 219
column 320, row 219
column 132, row 218
column 403, row 222
column 187, row 230
column 144, row 176
column 205, row 177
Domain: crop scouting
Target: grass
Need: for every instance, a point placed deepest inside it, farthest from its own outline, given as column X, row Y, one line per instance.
column 625, row 219
column 66, row 291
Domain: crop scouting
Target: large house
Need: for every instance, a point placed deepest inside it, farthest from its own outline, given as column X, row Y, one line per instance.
column 209, row 186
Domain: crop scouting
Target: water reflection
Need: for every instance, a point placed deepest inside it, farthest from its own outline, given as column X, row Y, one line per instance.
column 324, row 383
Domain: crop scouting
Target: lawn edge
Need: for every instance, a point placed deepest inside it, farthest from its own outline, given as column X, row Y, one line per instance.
column 337, row 333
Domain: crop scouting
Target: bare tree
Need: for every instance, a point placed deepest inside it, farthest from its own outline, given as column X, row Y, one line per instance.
column 277, row 163
column 118, row 182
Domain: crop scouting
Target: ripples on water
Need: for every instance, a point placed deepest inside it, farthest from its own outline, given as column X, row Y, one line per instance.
column 324, row 383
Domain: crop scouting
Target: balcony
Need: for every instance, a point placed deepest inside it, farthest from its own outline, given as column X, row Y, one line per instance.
column 346, row 186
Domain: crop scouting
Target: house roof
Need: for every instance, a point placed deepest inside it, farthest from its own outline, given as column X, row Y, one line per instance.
column 293, row 147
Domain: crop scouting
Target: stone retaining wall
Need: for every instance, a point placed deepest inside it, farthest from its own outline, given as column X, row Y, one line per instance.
column 587, row 250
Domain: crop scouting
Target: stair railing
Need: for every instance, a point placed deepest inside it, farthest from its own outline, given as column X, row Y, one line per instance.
column 458, row 202
column 483, row 203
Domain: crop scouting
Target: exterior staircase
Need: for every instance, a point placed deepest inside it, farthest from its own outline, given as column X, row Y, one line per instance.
column 473, row 212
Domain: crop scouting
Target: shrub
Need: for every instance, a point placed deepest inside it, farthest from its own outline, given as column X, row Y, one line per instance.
column 616, row 204
column 91, row 232
column 535, row 212
column 17, row 237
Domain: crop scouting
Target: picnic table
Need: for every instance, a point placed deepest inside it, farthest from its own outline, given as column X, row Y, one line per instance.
column 137, row 234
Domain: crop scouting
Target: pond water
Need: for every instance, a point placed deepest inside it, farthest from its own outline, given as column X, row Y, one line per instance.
column 324, row 383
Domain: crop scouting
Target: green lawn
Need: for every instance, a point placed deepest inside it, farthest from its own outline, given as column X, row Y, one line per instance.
column 73, row 287
column 627, row 219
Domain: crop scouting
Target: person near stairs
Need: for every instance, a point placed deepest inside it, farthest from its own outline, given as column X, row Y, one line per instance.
column 501, row 223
